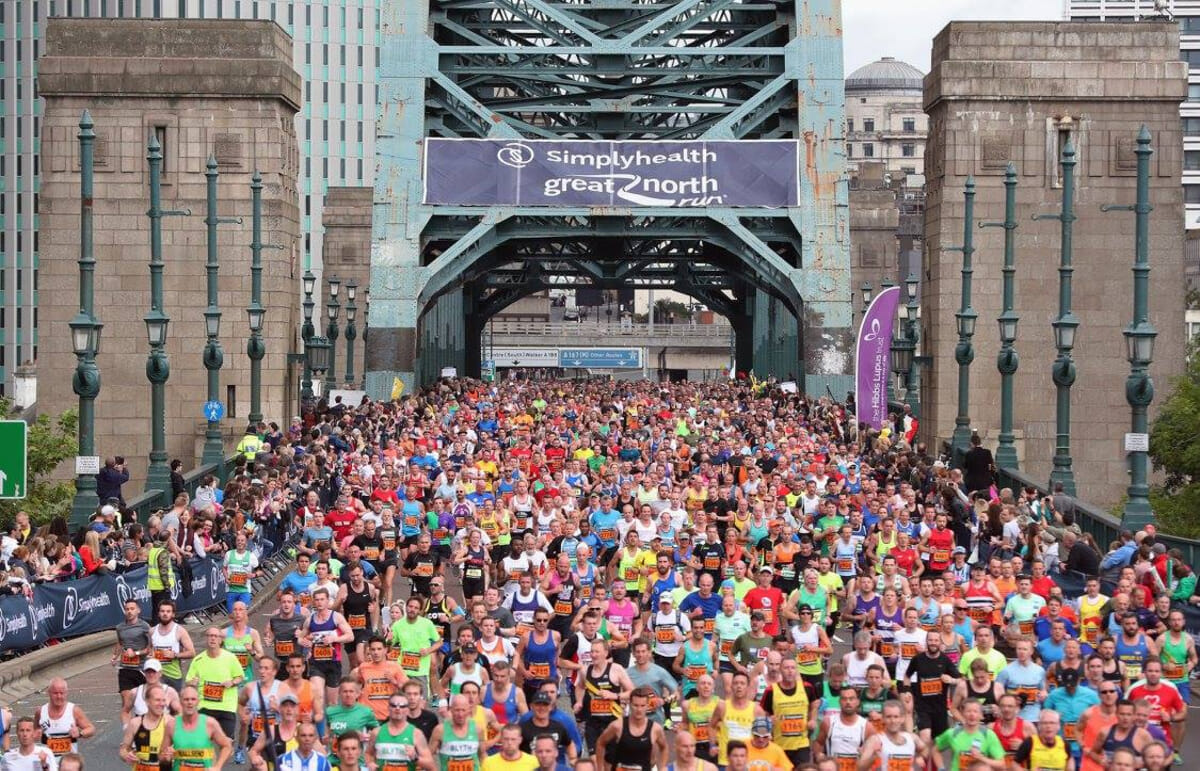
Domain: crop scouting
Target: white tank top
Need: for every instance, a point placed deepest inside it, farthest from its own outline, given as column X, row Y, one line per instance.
column 845, row 741
column 856, row 670
column 904, row 753
column 169, row 641
column 58, row 727
column 139, row 699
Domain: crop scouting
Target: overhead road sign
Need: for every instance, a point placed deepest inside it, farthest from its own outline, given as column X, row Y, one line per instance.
column 610, row 358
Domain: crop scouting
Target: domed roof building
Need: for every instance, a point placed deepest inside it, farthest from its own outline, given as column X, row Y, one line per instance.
column 885, row 121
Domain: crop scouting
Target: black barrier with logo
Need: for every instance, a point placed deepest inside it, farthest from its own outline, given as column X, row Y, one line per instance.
column 96, row 603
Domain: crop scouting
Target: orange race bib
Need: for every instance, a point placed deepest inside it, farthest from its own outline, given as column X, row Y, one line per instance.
column 901, row 763
column 940, row 556
column 1025, row 627
column 607, row 534
column 909, row 650
column 163, row 654
column 371, row 553
column 1092, row 635
column 258, row 724
column 130, row 659
column 322, row 652
column 305, row 600
column 424, row 570
column 357, row 621
column 1070, row 732
column 695, row 673
column 539, row 671
column 701, row 732
column 887, row 649
column 140, row 766
column 979, row 615
column 848, row 763
column 1173, row 671
column 461, row 764
column 380, row 690
column 238, row 580
column 709, row 625
column 845, row 565
column 284, row 648
column 793, row 725
column 1028, row 694
column 712, row 563
column 243, row 658
column 807, row 657
column 631, row 575
column 564, row 607
column 523, row 629
column 389, row 544
column 931, row 687
column 410, row 661
column 212, row 692
column 604, row 707
column 515, row 575
column 665, row 634
column 727, row 648
column 59, row 745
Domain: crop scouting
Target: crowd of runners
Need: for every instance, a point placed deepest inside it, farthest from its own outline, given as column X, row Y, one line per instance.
column 618, row 576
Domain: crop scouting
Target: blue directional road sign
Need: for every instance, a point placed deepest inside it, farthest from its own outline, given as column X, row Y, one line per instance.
column 213, row 411
column 600, row 358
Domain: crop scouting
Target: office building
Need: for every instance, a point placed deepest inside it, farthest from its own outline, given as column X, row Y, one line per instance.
column 884, row 120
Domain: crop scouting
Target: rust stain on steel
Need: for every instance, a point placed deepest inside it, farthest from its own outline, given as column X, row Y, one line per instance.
column 810, row 162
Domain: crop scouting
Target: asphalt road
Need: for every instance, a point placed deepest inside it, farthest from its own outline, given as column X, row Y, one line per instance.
column 95, row 691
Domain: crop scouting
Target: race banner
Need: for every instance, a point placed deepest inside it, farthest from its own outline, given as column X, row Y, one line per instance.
column 95, row 604
column 506, row 172
column 872, row 358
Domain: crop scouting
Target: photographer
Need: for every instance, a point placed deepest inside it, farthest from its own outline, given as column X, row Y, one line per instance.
column 111, row 477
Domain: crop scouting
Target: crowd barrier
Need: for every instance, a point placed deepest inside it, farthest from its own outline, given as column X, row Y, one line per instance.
column 96, row 603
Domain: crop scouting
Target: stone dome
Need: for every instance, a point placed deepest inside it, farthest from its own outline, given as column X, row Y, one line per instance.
column 887, row 74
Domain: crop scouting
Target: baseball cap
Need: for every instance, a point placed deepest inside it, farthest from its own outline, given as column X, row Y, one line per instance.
column 152, row 665
column 1068, row 677
column 541, row 697
column 761, row 727
column 286, row 697
column 960, row 550
column 469, row 648
column 666, row 597
column 767, row 569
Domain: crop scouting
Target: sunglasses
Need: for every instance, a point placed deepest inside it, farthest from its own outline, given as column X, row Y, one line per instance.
column 1104, row 691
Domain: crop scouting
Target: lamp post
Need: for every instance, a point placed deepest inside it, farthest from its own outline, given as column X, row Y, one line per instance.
column 85, row 331
column 1139, row 340
column 1007, row 360
column 1063, row 369
column 307, row 332
column 214, row 357
column 317, row 355
column 331, row 332
column 912, row 378
column 865, row 289
column 964, row 352
column 158, row 367
column 351, row 333
column 256, row 348
column 366, row 331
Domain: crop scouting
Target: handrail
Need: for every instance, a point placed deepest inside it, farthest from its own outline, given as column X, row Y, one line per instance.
column 1104, row 527
column 150, row 501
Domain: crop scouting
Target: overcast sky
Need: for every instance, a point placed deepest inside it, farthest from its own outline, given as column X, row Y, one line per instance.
column 905, row 28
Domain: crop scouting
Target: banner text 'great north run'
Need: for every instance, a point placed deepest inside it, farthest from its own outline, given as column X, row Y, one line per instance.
column 500, row 172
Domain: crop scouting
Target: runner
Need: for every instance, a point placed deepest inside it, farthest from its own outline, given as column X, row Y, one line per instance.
column 197, row 740
column 536, row 659
column 686, row 758
column 894, row 748
column 1045, row 749
column 241, row 567
column 633, row 743
column 971, row 742
column 606, row 686
column 417, row 639
column 788, row 703
column 323, row 633
column 129, row 653
column 379, row 678
column 146, row 738
column 348, row 715
column 258, row 707
column 358, row 601
column 306, row 755
column 510, row 757
column 246, row 645
column 29, row 754
column 735, row 717
column 456, row 743
column 398, row 745
column 62, row 724
column 842, row 738
column 282, row 630
column 152, row 670
column 172, row 645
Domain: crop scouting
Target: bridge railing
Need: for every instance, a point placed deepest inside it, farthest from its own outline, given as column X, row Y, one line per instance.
column 1104, row 527
column 677, row 331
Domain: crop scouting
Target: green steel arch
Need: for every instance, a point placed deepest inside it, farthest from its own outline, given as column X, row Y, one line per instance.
column 610, row 69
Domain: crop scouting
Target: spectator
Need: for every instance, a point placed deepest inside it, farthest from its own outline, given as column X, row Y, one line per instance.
column 111, row 477
column 978, row 466
column 1081, row 557
column 177, row 483
column 92, row 554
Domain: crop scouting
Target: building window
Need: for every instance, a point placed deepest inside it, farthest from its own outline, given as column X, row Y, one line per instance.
column 1191, row 56
column 1064, row 136
column 850, row 125
column 868, row 150
column 1193, row 92
column 908, row 150
column 849, row 150
column 160, row 133
column 1191, row 193
column 910, row 124
column 868, row 124
column 1191, row 160
column 1191, row 126
column 909, row 169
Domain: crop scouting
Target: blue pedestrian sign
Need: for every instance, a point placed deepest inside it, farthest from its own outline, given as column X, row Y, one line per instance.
column 213, row 411
column 600, row 358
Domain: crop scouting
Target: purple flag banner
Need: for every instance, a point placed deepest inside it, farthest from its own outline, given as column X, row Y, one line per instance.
column 872, row 358
column 531, row 172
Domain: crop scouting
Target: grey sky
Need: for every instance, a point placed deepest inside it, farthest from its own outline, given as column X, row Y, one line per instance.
column 905, row 28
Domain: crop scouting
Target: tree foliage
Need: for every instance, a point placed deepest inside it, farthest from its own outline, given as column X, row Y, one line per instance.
column 52, row 440
column 1175, row 452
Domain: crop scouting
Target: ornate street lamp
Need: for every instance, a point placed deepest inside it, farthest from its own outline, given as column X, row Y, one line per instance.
column 1063, row 369
column 351, row 333
column 317, row 351
column 85, row 331
column 214, row 357
column 1007, row 360
column 964, row 352
column 885, row 285
column 307, row 332
column 256, row 314
column 331, row 309
column 912, row 396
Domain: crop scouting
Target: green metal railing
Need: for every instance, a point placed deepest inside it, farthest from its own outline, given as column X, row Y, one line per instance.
column 152, row 500
column 1104, row 527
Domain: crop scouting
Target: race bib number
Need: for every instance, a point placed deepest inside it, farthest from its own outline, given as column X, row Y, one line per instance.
column 1173, row 671
column 665, row 634
column 410, row 661
column 712, row 563
column 473, row 573
column 909, row 650
column 212, row 692
column 1092, row 635
column 389, row 543
column 163, row 654
column 515, row 575
column 607, row 534
column 59, row 745
column 284, row 648
column 539, row 671
column 1070, row 732
column 257, row 725
column 694, row 673
column 793, row 725
column 1133, row 671
column 243, row 658
column 979, row 615
column 940, row 556
column 787, row 572
column 238, row 580
column 371, row 553
column 845, row 565
column 322, row 652
column 564, row 607
column 807, row 657
column 380, row 690
column 709, row 625
column 1025, row 627
column 931, row 687
column 887, row 650
column 461, row 764
column 131, row 659
column 357, row 621
column 701, row 732
column 845, row 763
column 631, row 575
column 602, row 707
column 903, row 764
column 726, row 648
